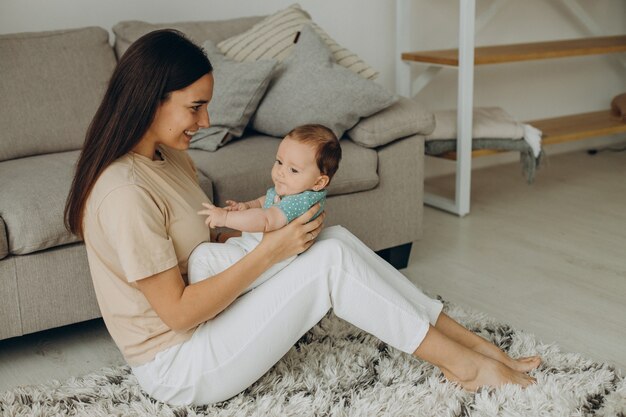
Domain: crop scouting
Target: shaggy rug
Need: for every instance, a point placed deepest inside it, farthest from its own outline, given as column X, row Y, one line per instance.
column 338, row 370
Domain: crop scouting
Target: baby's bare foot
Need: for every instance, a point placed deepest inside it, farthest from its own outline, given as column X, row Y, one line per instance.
column 525, row 364
column 491, row 373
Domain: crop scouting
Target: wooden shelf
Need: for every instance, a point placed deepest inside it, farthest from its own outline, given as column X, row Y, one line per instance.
column 565, row 129
column 475, row 154
column 578, row 126
column 525, row 51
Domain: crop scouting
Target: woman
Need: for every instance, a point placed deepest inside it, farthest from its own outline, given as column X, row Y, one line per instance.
column 134, row 200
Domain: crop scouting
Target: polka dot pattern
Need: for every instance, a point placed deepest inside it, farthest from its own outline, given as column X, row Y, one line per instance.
column 295, row 205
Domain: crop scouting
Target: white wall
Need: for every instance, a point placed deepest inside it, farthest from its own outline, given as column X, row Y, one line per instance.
column 527, row 90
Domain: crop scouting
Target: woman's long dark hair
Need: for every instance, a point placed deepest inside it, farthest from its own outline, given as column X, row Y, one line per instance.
column 153, row 66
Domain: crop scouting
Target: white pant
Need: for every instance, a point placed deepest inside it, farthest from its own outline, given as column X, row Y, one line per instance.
column 227, row 354
column 209, row 259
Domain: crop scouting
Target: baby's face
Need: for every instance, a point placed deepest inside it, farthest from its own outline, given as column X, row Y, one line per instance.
column 295, row 169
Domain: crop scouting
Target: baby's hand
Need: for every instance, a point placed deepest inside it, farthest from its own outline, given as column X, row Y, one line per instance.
column 216, row 216
column 235, row 206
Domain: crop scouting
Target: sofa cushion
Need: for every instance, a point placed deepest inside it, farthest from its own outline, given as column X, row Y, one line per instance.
column 32, row 199
column 36, row 188
column 405, row 117
column 241, row 170
column 50, row 88
column 127, row 32
column 310, row 87
column 238, row 88
column 273, row 38
column 4, row 244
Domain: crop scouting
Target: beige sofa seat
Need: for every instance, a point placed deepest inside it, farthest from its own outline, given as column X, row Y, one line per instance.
column 241, row 170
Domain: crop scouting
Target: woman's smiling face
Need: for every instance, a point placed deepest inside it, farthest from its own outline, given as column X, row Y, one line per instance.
column 180, row 116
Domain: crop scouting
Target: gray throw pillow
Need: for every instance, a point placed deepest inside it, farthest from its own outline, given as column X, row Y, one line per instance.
column 309, row 87
column 237, row 89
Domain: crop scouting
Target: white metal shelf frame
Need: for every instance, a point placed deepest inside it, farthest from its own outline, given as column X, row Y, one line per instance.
column 465, row 93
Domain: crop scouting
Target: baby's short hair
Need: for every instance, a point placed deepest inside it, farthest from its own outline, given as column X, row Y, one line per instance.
column 328, row 150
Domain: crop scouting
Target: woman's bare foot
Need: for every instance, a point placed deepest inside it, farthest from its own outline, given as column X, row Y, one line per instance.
column 526, row 364
column 460, row 334
column 491, row 373
column 460, row 363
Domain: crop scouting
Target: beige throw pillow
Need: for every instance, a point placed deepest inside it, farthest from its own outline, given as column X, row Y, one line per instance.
column 273, row 37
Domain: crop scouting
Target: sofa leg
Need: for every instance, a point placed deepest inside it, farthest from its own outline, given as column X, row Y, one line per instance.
column 397, row 256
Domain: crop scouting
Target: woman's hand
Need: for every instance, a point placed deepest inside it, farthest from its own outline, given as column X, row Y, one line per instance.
column 294, row 238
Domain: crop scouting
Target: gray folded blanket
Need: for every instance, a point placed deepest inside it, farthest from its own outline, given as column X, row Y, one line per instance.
column 492, row 128
column 530, row 164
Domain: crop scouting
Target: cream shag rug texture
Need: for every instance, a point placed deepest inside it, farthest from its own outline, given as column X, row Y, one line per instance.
column 338, row 370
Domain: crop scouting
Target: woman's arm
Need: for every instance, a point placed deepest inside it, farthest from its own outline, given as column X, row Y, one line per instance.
column 182, row 307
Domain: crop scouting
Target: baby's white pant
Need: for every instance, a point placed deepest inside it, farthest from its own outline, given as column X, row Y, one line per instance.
column 227, row 354
column 209, row 259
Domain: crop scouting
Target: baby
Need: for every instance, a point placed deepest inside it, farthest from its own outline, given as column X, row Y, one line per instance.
column 306, row 161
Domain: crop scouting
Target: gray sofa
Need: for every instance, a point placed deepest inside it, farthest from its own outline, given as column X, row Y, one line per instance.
column 50, row 86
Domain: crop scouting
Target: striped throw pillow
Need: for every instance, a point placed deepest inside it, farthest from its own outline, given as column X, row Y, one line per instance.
column 273, row 37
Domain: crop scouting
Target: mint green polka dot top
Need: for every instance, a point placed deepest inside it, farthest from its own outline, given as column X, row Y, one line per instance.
column 295, row 205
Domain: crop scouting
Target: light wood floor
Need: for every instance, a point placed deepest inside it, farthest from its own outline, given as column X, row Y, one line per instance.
column 549, row 258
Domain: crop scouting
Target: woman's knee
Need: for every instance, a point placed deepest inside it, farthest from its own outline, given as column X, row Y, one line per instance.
column 209, row 259
column 329, row 246
column 336, row 230
column 330, row 251
column 340, row 233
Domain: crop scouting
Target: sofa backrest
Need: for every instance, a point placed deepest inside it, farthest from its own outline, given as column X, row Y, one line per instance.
column 51, row 84
column 127, row 32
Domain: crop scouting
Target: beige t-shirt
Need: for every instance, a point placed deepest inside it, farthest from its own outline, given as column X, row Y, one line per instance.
column 141, row 219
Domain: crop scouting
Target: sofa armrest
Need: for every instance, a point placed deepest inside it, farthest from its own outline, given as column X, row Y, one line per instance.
column 4, row 244
column 406, row 117
column 391, row 213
